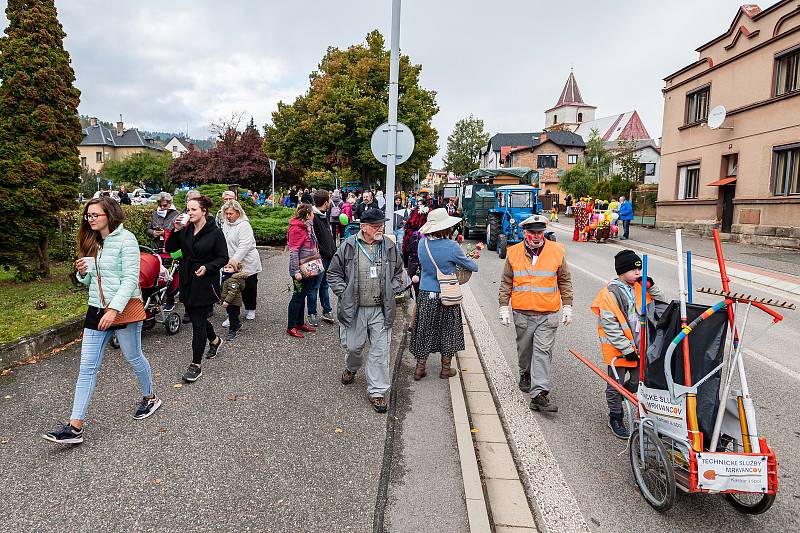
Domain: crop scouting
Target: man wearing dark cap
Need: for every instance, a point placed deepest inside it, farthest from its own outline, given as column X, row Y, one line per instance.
column 617, row 307
column 365, row 274
column 535, row 286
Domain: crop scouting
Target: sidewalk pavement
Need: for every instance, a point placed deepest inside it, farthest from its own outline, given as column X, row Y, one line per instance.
column 268, row 439
column 764, row 265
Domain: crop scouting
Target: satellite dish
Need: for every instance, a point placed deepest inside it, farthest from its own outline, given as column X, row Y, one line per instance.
column 716, row 117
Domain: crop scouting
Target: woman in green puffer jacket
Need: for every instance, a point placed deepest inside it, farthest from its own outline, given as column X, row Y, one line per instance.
column 109, row 265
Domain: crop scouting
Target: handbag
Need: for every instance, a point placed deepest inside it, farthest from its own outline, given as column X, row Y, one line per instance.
column 311, row 266
column 449, row 288
column 134, row 309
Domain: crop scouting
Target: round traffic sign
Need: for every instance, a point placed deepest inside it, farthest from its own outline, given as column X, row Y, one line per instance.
column 380, row 143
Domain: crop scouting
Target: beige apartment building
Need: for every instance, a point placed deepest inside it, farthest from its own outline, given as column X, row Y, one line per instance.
column 740, row 174
column 101, row 144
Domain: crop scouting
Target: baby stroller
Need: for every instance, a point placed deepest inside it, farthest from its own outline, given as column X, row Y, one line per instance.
column 352, row 228
column 158, row 281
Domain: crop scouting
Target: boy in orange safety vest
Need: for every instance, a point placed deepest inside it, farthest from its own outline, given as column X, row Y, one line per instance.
column 618, row 307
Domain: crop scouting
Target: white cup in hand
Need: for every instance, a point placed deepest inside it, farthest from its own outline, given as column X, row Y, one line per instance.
column 88, row 264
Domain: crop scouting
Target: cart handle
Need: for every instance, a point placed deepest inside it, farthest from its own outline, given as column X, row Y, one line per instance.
column 622, row 390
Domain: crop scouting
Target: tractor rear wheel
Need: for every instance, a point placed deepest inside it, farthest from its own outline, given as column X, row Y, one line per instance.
column 493, row 231
column 465, row 231
column 502, row 246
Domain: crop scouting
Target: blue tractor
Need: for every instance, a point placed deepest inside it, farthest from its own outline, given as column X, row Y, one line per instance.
column 512, row 205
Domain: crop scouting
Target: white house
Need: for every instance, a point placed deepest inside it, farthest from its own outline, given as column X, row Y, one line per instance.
column 178, row 147
column 494, row 153
column 649, row 155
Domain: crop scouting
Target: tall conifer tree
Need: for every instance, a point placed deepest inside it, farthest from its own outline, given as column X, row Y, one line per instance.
column 39, row 134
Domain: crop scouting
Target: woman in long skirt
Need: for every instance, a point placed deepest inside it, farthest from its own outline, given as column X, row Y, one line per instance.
column 438, row 327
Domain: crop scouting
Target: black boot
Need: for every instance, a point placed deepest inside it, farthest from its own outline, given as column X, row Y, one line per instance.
column 525, row 381
column 543, row 403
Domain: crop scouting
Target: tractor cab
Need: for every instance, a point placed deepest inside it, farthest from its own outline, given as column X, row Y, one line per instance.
column 513, row 204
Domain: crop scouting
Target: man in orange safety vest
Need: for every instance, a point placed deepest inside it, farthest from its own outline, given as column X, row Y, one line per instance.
column 536, row 285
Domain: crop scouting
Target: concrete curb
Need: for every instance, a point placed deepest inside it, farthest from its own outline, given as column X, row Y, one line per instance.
column 736, row 273
column 12, row 353
column 510, row 510
column 477, row 511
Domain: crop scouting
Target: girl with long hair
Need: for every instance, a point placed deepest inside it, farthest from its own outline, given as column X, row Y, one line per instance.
column 204, row 253
column 109, row 265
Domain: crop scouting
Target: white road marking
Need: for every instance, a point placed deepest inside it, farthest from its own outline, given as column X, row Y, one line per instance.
column 554, row 503
column 755, row 355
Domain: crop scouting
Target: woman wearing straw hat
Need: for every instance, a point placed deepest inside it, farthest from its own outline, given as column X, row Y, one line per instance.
column 438, row 327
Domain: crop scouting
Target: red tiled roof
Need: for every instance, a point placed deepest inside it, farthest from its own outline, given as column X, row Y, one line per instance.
column 571, row 94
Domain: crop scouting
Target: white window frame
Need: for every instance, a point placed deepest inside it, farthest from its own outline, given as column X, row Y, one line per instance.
column 683, row 172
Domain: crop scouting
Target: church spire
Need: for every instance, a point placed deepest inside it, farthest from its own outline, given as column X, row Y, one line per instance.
column 571, row 94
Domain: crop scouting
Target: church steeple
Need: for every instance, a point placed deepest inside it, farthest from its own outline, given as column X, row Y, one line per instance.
column 571, row 110
column 571, row 94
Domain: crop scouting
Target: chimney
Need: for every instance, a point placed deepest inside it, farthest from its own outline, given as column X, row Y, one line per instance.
column 542, row 137
column 93, row 121
column 120, row 129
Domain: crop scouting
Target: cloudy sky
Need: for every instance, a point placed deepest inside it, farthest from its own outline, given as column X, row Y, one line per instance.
column 166, row 65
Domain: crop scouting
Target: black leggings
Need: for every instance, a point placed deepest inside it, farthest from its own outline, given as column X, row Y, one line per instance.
column 202, row 331
column 250, row 292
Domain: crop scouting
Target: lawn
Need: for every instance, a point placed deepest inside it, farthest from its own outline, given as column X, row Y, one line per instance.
column 18, row 314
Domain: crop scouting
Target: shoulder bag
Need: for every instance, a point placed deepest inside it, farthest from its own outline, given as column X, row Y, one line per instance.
column 449, row 289
column 311, row 266
column 134, row 309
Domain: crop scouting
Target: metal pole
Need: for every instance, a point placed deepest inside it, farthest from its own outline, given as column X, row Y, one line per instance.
column 394, row 77
column 689, row 274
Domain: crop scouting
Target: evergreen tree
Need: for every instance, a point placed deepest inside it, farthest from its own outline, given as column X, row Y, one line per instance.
column 40, row 131
column 464, row 145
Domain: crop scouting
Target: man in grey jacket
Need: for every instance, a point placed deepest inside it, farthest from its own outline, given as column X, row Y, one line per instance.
column 365, row 274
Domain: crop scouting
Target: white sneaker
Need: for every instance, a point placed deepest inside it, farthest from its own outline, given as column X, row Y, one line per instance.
column 251, row 315
column 226, row 323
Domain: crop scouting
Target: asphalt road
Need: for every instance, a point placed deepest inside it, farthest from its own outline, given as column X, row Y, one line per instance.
column 594, row 463
column 267, row 440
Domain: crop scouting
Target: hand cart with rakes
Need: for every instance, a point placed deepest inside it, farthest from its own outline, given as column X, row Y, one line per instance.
column 691, row 428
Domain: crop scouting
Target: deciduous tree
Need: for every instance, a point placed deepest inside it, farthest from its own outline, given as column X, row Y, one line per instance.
column 147, row 169
column 40, row 131
column 464, row 145
column 331, row 124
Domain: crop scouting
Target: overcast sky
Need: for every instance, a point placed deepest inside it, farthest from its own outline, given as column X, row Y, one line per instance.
column 166, row 65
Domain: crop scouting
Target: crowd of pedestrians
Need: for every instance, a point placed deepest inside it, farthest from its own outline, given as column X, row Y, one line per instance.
column 219, row 264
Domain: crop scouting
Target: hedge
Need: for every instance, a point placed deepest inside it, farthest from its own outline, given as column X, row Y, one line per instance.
column 269, row 225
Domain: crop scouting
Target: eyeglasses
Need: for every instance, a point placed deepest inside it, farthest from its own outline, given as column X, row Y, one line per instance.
column 94, row 216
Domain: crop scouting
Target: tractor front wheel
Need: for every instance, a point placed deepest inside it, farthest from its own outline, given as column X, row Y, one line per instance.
column 493, row 231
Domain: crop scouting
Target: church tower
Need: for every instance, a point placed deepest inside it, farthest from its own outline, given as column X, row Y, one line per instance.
column 570, row 111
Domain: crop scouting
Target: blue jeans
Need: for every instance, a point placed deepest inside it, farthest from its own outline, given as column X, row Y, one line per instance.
column 93, row 349
column 297, row 305
column 626, row 224
column 320, row 287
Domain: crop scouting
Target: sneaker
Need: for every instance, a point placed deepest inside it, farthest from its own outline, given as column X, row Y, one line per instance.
column 147, row 407
column 348, row 377
column 525, row 381
column 313, row 321
column 168, row 307
column 378, row 403
column 328, row 317
column 543, row 403
column 192, row 373
column 306, row 328
column 186, row 318
column 232, row 334
column 213, row 349
column 294, row 332
column 618, row 429
column 65, row 435
column 226, row 323
column 251, row 315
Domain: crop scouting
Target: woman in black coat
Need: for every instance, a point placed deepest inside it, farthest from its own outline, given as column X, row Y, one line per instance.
column 204, row 253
